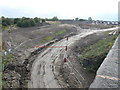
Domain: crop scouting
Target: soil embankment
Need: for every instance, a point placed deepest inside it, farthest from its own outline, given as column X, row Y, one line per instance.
column 44, row 62
column 49, row 70
column 23, row 47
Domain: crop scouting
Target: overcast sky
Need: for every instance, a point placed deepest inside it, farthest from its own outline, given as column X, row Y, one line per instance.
column 64, row 9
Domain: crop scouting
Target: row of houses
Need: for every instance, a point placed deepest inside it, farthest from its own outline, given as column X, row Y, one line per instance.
column 105, row 22
column 72, row 21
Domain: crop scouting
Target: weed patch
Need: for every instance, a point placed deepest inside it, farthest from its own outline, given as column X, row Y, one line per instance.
column 47, row 38
column 6, row 59
column 60, row 32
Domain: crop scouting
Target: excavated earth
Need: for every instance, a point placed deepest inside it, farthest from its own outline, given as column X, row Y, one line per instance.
column 18, row 74
column 23, row 42
column 73, row 53
column 49, row 70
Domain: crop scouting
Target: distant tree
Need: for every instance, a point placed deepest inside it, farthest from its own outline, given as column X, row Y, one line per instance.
column 23, row 18
column 7, row 21
column 89, row 19
column 16, row 20
column 49, row 19
column 19, row 24
column 55, row 18
column 76, row 19
column 3, row 17
column 82, row 20
column 46, row 19
column 4, row 23
column 26, row 22
column 32, row 22
column 11, row 20
column 37, row 20
column 43, row 20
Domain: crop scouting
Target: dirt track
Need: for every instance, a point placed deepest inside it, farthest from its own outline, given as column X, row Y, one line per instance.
column 46, row 69
column 45, row 72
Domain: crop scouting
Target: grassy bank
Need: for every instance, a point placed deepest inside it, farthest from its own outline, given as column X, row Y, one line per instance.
column 93, row 55
column 6, row 59
column 60, row 32
column 51, row 37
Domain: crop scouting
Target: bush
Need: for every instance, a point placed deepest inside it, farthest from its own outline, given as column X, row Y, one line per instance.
column 21, row 22
column 7, row 21
column 26, row 23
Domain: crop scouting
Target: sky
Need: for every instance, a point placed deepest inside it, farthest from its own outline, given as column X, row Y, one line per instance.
column 63, row 9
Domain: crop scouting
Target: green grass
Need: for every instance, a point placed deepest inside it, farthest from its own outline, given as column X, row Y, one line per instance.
column 9, row 27
column 47, row 38
column 92, row 56
column 6, row 59
column 5, row 28
column 60, row 32
column 107, row 32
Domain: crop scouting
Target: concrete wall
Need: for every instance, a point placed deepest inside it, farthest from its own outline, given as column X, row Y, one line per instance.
column 108, row 73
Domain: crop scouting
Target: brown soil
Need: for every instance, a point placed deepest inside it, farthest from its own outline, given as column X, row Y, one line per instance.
column 73, row 54
column 24, row 56
column 32, row 37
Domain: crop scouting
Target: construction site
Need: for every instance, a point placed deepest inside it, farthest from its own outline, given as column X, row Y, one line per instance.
column 60, row 55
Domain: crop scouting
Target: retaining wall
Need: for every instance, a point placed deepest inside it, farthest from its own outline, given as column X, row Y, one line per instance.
column 108, row 74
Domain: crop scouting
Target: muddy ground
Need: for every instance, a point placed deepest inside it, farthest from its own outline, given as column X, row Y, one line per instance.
column 23, row 40
column 73, row 54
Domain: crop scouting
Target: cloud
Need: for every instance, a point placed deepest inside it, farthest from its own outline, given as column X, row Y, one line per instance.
column 60, row 8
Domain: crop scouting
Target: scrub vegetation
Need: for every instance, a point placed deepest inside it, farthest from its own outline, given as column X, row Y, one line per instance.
column 51, row 37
